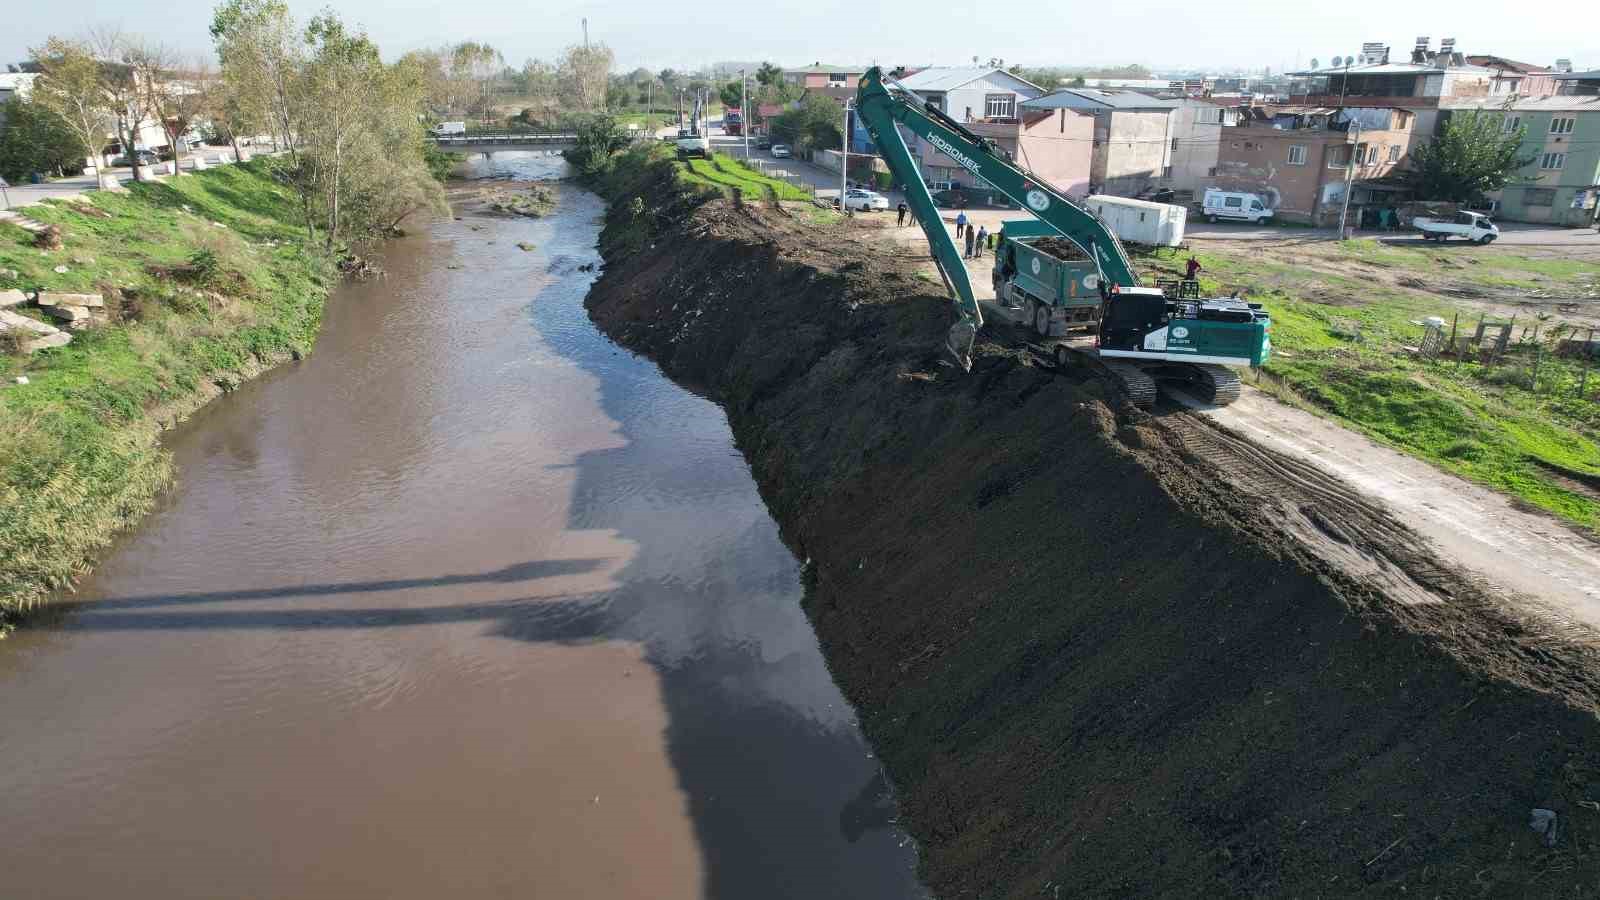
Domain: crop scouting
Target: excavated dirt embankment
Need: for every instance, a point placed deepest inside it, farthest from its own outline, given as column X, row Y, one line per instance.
column 1093, row 664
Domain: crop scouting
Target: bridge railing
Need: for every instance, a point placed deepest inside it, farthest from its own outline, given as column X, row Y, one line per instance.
column 505, row 137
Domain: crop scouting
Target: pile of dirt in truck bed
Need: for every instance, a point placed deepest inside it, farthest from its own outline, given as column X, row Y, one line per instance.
column 1093, row 660
column 1060, row 248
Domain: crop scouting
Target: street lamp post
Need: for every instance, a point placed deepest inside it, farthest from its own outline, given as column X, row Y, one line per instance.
column 1349, row 176
column 744, row 110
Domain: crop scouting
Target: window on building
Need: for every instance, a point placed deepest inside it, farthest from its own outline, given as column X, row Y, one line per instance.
column 840, row 77
column 1562, row 125
column 1174, row 145
column 1372, row 155
column 1553, row 161
column 1297, row 154
column 1212, row 172
column 1166, row 171
column 1000, row 106
column 1539, row 196
column 1394, row 153
column 1339, row 157
column 1512, row 123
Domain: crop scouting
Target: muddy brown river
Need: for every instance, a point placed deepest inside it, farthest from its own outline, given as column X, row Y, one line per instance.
column 470, row 603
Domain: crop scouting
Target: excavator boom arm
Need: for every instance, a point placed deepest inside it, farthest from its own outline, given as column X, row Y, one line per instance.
column 882, row 107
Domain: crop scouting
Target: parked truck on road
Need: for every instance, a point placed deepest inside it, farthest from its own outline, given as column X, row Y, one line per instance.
column 1475, row 227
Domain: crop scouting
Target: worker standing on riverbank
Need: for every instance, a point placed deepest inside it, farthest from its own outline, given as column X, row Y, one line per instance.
column 900, row 214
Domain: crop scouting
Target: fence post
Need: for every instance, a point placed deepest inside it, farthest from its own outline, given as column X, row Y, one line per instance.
column 1588, row 360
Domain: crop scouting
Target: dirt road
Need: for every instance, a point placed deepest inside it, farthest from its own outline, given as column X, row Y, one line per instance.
column 1526, row 556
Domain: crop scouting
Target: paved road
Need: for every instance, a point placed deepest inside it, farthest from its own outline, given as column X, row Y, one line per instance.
column 25, row 194
column 1511, row 234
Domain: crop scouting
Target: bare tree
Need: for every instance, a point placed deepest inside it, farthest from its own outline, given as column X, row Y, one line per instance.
column 584, row 75
column 171, row 99
column 71, row 85
column 128, row 99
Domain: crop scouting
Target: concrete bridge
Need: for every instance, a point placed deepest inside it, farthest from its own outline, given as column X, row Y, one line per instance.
column 487, row 142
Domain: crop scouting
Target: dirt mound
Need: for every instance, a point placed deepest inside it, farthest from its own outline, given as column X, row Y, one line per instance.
column 1093, row 661
column 1060, row 248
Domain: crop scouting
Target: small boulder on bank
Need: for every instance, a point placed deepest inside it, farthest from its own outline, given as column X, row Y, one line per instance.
column 59, row 298
column 12, row 298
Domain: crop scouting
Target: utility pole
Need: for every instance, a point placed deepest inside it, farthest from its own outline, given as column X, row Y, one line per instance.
column 744, row 111
column 844, row 151
column 586, row 33
column 1349, row 176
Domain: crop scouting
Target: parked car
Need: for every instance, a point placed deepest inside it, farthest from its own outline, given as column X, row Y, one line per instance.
column 1235, row 205
column 781, row 151
column 764, row 143
column 864, row 201
column 1475, row 227
column 146, row 158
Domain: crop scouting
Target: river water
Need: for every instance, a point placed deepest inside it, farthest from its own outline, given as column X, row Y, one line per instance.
column 469, row 603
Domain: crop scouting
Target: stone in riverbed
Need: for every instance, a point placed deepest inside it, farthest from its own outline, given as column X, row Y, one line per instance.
column 12, row 298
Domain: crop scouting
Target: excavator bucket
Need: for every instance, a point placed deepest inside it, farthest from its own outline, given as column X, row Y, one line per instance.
column 959, row 342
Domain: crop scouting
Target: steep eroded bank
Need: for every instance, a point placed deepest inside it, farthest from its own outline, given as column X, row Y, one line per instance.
column 1088, row 663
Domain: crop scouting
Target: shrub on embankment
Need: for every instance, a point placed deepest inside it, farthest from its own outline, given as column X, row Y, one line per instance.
column 1088, row 669
column 207, row 279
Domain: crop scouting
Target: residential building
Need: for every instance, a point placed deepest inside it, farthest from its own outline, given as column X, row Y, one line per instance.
column 972, row 94
column 988, row 101
column 1428, row 82
column 1299, row 159
column 817, row 76
column 1197, row 130
column 1582, row 84
column 1561, row 183
column 1515, row 78
column 13, row 84
column 1132, row 140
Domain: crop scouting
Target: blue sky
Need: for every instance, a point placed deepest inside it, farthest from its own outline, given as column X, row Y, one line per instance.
column 1247, row 33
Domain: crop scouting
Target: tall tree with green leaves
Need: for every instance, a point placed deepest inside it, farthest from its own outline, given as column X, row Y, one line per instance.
column 769, row 74
column 261, row 53
column 36, row 139
column 815, row 122
column 1472, row 156
column 71, row 85
column 731, row 94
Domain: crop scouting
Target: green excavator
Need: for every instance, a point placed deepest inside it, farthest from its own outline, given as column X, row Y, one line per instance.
column 1143, row 336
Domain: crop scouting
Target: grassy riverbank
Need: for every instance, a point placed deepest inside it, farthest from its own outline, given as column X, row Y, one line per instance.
column 1345, row 331
column 207, row 280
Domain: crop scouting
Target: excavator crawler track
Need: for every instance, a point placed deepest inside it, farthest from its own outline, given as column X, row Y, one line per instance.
column 1135, row 382
column 1217, row 385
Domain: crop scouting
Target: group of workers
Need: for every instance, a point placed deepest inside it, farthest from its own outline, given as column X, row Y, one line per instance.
column 977, row 239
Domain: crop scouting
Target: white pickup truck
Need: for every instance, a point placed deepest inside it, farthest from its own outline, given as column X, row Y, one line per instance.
column 1475, row 227
column 692, row 143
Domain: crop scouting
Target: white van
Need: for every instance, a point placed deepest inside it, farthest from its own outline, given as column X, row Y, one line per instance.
column 1234, row 205
column 451, row 129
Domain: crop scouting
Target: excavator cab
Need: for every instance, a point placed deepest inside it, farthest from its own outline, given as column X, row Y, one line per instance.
column 1130, row 314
